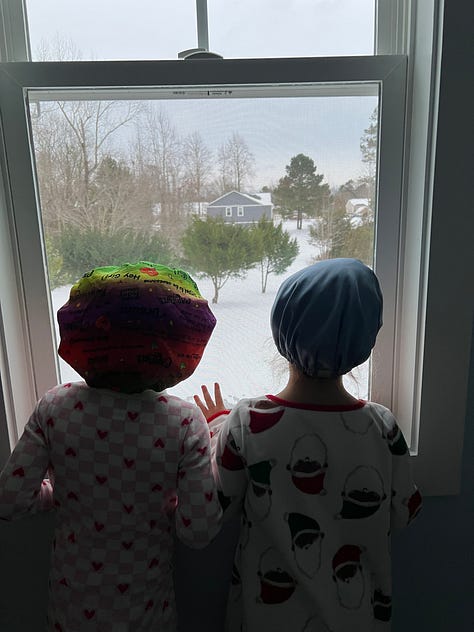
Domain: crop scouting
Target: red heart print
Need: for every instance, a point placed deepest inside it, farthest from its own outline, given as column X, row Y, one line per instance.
column 186, row 421
column 211, row 434
column 72, row 537
column 181, row 473
column 98, row 526
column 102, row 433
column 89, row 614
column 202, row 450
column 70, row 452
column 50, row 422
column 128, row 508
column 19, row 472
column 129, row 462
column 123, row 588
column 63, row 582
column 165, row 604
column 149, row 604
column 132, row 415
column 79, row 406
column 162, row 399
column 101, row 479
column 149, row 271
column 127, row 545
column 208, row 496
column 39, row 431
column 157, row 488
column 56, row 503
column 159, row 443
column 154, row 562
column 72, row 496
column 186, row 521
column 97, row 565
column 68, row 385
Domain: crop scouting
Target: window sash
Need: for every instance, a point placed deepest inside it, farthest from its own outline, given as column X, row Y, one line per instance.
column 20, row 82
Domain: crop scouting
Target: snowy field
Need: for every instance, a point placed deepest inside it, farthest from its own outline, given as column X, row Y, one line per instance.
column 241, row 355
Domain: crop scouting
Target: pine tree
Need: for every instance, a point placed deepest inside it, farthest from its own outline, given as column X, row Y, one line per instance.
column 275, row 250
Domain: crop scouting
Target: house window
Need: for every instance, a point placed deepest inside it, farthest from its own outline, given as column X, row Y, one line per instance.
column 240, row 211
column 228, row 211
column 358, row 86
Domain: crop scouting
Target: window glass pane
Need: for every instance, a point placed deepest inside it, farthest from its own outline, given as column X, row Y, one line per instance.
column 132, row 186
column 119, row 29
column 110, row 29
column 291, row 28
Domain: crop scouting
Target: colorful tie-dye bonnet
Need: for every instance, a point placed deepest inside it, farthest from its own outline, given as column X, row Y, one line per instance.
column 134, row 327
column 325, row 318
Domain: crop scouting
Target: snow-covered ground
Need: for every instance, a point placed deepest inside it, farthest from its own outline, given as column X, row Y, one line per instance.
column 241, row 355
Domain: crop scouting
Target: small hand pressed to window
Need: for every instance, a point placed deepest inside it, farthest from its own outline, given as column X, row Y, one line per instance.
column 211, row 407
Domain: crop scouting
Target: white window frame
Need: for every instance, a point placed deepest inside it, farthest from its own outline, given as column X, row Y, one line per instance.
column 240, row 211
column 228, row 211
column 26, row 335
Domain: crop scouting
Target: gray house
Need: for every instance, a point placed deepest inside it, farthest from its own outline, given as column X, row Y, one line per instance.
column 241, row 208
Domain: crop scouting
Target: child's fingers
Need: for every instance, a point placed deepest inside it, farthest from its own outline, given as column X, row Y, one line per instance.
column 200, row 405
column 218, row 396
column 207, row 398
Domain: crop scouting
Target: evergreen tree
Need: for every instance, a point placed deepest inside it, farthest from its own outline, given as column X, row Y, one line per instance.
column 218, row 250
column 302, row 189
column 275, row 250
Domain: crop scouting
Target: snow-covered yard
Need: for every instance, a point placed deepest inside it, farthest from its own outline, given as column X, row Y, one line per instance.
column 241, row 354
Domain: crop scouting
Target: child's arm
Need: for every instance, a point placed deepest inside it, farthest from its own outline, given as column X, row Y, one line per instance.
column 198, row 513
column 22, row 488
column 228, row 465
column 406, row 498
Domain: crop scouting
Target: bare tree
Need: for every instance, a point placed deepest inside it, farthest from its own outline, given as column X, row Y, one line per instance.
column 197, row 159
column 162, row 161
column 235, row 163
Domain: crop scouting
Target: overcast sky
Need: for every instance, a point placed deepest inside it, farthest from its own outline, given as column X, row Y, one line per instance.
column 328, row 130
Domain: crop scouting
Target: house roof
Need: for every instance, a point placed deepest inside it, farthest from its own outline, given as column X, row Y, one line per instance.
column 235, row 197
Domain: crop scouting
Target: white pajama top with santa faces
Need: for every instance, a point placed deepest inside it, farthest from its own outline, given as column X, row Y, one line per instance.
column 319, row 489
column 125, row 473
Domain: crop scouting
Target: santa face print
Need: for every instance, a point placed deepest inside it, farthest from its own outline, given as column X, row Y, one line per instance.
column 258, row 500
column 396, row 442
column 276, row 583
column 348, row 576
column 356, row 422
column 230, row 458
column 414, row 504
column 308, row 464
column 363, row 493
column 382, row 605
column 306, row 542
column 263, row 420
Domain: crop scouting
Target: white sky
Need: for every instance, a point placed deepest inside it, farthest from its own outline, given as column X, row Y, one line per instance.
column 327, row 130
column 154, row 29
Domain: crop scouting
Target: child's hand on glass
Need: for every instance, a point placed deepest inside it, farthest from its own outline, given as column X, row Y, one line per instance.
column 211, row 407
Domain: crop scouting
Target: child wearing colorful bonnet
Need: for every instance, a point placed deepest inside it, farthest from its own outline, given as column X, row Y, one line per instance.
column 319, row 477
column 128, row 465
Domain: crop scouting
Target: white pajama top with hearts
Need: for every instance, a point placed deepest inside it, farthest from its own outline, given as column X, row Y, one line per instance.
column 125, row 473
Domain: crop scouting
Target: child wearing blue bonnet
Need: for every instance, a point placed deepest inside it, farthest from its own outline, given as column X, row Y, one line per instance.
column 319, row 477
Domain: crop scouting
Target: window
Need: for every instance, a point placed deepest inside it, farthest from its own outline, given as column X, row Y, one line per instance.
column 377, row 82
column 240, row 211
column 90, row 30
column 228, row 211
